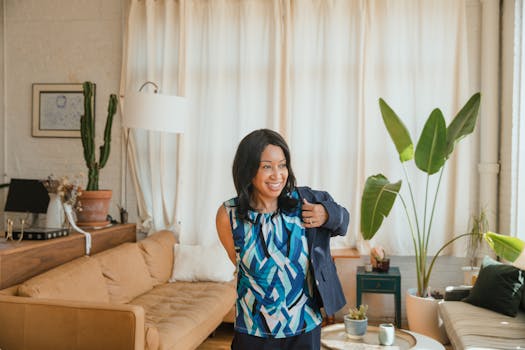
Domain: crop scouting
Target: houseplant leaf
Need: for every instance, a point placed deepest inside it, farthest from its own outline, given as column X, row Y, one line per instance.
column 463, row 123
column 377, row 201
column 431, row 147
column 398, row 132
column 507, row 247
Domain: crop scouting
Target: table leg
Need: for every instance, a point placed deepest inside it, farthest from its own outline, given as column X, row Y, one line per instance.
column 398, row 306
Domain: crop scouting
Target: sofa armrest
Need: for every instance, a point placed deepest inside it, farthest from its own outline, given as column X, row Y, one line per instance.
column 457, row 293
column 31, row 323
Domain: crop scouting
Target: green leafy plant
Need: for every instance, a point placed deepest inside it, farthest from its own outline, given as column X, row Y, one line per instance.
column 435, row 145
column 479, row 225
column 358, row 313
column 509, row 248
column 87, row 133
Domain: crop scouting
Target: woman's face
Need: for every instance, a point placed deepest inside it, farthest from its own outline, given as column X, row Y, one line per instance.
column 272, row 173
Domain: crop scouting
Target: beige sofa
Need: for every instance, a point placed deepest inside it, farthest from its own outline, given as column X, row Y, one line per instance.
column 473, row 327
column 118, row 299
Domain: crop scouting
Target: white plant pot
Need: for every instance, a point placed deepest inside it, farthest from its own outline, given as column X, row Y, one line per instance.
column 422, row 315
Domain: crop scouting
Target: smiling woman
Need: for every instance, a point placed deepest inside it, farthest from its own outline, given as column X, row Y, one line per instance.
column 274, row 231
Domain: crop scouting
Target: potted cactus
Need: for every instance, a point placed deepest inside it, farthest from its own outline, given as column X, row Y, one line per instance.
column 94, row 203
column 356, row 322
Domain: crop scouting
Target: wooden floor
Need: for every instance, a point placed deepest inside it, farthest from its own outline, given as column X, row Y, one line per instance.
column 221, row 340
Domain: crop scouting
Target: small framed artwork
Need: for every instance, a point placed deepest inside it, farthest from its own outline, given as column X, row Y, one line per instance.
column 57, row 109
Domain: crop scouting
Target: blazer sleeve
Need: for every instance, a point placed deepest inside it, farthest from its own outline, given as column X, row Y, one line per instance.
column 338, row 216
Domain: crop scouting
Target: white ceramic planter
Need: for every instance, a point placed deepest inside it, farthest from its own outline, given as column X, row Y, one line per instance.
column 422, row 315
column 55, row 215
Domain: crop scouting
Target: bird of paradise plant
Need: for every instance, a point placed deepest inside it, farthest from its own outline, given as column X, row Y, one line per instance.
column 509, row 248
column 435, row 146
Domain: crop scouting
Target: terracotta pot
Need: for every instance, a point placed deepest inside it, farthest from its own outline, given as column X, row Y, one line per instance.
column 95, row 208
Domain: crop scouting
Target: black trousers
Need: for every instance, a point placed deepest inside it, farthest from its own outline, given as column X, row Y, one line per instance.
column 307, row 341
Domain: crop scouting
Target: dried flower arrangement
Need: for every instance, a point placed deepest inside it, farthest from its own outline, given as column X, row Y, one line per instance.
column 68, row 190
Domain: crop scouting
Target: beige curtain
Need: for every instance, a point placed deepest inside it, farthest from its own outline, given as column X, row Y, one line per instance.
column 313, row 70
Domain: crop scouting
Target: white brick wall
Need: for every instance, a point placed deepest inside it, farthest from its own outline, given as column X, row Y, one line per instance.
column 60, row 41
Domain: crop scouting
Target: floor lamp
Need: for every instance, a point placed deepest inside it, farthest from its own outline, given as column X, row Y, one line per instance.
column 155, row 112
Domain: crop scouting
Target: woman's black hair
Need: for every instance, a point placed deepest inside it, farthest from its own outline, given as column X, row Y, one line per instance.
column 246, row 164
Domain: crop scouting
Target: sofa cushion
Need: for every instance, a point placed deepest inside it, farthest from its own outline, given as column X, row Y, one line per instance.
column 126, row 273
column 499, row 287
column 80, row 279
column 157, row 250
column 201, row 263
column 185, row 313
column 470, row 327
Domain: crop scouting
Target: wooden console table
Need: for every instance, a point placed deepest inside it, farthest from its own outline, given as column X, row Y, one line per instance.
column 20, row 261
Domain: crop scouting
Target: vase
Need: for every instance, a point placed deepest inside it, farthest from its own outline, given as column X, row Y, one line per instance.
column 382, row 266
column 423, row 317
column 355, row 329
column 55, row 212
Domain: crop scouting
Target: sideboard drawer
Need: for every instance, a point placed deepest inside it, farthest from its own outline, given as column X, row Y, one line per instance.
column 378, row 284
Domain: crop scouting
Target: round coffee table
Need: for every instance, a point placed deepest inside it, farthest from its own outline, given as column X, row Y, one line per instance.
column 334, row 337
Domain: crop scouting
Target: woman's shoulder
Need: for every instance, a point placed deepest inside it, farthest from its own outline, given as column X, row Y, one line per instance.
column 311, row 194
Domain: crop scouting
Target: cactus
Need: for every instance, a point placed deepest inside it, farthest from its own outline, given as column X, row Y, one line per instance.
column 87, row 132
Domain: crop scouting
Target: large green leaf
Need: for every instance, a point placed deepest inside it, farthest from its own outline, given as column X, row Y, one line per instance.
column 377, row 201
column 509, row 248
column 398, row 132
column 431, row 147
column 463, row 123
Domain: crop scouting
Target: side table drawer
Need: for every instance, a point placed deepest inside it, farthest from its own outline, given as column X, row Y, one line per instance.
column 378, row 284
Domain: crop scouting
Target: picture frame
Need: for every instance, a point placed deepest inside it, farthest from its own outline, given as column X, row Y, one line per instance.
column 57, row 109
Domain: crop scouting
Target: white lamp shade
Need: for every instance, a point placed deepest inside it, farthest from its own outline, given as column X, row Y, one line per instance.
column 157, row 112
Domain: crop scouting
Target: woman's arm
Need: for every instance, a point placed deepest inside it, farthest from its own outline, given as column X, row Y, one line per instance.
column 222, row 222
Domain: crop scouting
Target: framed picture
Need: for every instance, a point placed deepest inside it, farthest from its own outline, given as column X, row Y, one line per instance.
column 57, row 109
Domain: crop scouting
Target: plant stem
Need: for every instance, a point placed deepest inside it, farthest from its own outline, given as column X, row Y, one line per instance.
column 434, row 204
column 427, row 276
column 413, row 239
column 412, row 200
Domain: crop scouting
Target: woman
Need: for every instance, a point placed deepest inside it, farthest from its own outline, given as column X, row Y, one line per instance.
column 278, row 235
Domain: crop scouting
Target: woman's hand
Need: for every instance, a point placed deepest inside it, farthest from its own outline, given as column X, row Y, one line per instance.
column 314, row 215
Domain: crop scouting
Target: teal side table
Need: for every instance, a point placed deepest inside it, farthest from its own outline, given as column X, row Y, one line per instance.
column 380, row 282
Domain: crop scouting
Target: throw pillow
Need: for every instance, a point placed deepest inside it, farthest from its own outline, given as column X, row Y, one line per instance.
column 201, row 263
column 523, row 299
column 487, row 260
column 499, row 287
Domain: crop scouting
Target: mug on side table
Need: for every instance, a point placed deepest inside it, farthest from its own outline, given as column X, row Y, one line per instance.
column 386, row 334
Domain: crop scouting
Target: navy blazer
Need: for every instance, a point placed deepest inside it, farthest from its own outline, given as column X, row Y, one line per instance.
column 326, row 280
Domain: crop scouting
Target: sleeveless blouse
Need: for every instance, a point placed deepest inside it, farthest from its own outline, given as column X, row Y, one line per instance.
column 274, row 282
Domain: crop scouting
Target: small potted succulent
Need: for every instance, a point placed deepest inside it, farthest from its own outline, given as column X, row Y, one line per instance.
column 379, row 260
column 356, row 322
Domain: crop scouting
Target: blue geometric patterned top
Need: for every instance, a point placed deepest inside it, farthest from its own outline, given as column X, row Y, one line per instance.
column 274, row 286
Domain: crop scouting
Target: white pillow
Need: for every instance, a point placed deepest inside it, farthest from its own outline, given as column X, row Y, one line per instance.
column 201, row 263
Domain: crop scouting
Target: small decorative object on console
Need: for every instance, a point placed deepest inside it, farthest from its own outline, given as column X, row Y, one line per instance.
column 378, row 259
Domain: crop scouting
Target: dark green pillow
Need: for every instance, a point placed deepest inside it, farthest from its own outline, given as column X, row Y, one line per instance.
column 499, row 287
column 523, row 299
